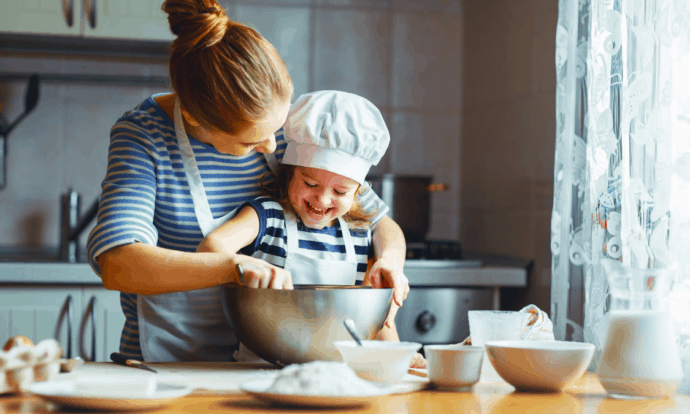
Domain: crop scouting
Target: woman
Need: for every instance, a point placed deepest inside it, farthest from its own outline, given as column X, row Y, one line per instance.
column 178, row 164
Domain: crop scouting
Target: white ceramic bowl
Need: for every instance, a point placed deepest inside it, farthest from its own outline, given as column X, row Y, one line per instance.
column 453, row 366
column 383, row 361
column 545, row 366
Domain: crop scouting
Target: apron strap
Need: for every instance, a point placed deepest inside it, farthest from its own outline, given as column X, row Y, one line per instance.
column 196, row 186
column 347, row 239
column 292, row 233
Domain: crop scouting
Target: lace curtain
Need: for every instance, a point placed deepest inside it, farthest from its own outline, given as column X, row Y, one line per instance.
column 622, row 163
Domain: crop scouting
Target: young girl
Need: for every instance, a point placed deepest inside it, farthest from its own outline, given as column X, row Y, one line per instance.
column 311, row 225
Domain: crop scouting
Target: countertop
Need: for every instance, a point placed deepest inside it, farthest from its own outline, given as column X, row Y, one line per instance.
column 585, row 396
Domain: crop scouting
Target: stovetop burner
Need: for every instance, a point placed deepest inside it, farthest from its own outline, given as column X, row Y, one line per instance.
column 434, row 250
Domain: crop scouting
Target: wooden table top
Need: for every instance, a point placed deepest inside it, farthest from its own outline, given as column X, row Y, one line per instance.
column 585, row 396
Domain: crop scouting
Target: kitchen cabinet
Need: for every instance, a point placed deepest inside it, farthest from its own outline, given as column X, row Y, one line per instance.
column 121, row 19
column 41, row 16
column 101, row 314
column 40, row 311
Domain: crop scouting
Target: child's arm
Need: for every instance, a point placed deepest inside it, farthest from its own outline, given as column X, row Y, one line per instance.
column 238, row 232
column 231, row 236
column 390, row 332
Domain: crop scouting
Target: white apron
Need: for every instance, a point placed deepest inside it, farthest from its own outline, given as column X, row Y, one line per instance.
column 309, row 271
column 188, row 326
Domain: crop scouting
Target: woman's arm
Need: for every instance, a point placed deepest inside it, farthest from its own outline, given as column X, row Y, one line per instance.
column 150, row 270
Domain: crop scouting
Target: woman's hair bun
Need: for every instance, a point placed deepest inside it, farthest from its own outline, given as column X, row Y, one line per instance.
column 196, row 23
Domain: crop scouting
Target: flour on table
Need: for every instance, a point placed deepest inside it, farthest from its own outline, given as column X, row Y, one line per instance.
column 322, row 378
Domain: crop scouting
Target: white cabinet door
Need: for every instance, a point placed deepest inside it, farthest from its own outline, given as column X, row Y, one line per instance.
column 126, row 19
column 62, row 17
column 101, row 313
column 40, row 312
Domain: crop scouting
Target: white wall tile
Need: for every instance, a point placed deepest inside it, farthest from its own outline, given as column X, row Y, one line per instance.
column 374, row 4
column 429, row 144
column 426, row 61
column 351, row 53
column 288, row 30
column 278, row 3
column 426, row 6
column 34, row 147
column 88, row 113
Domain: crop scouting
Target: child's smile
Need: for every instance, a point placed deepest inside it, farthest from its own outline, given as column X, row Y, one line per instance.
column 319, row 197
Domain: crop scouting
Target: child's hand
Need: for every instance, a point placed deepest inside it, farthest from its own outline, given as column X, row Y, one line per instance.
column 386, row 273
column 418, row 361
column 260, row 274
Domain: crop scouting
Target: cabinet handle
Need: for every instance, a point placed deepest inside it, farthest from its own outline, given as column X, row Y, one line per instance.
column 68, row 12
column 90, row 11
column 90, row 312
column 66, row 310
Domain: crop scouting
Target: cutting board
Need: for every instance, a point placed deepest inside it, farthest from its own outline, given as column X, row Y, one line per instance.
column 213, row 377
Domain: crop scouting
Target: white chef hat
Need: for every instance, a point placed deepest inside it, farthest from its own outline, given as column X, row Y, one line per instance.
column 335, row 131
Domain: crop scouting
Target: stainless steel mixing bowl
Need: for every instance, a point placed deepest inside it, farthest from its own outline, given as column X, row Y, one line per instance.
column 297, row 326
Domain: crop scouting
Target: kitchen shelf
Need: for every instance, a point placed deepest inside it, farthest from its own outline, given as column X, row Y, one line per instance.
column 73, row 45
column 85, row 78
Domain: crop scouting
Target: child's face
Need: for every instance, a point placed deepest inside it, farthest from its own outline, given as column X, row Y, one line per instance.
column 319, row 197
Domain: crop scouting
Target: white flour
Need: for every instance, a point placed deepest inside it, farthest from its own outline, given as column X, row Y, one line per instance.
column 323, row 378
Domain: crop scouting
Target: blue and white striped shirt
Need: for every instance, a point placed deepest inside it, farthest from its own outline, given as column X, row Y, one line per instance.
column 325, row 244
column 145, row 196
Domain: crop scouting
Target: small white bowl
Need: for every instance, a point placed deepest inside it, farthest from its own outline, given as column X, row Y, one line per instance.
column 543, row 366
column 382, row 361
column 453, row 367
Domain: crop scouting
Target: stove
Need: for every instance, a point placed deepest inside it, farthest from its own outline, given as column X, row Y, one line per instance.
column 445, row 284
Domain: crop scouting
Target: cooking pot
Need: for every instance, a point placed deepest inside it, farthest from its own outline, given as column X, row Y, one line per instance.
column 409, row 200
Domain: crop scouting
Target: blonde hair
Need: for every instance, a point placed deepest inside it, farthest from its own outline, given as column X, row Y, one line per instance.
column 277, row 188
column 225, row 73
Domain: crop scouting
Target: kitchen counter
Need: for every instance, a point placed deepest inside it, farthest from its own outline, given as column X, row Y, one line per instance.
column 48, row 272
column 585, row 396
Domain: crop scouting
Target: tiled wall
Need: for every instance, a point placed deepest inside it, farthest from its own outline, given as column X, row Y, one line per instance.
column 403, row 55
column 508, row 133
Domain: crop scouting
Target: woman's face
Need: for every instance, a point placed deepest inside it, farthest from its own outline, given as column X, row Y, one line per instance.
column 260, row 136
column 319, row 197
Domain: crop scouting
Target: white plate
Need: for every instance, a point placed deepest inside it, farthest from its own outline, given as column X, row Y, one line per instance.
column 62, row 392
column 257, row 389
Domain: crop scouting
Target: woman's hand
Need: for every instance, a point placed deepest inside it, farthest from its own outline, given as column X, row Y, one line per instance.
column 261, row 274
column 418, row 361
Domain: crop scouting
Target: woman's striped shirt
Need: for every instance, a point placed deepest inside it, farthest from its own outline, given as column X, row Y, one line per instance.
column 145, row 196
column 324, row 244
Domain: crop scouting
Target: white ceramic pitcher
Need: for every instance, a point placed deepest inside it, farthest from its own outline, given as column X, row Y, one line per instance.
column 640, row 356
